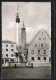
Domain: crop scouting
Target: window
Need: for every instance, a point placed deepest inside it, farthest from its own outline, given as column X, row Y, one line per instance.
column 11, row 45
column 6, row 45
column 6, row 49
column 12, row 60
column 44, row 51
column 12, row 55
column 38, row 51
column 6, row 55
column 45, row 58
column 39, row 38
column 41, row 45
column 12, row 49
column 44, row 38
column 33, row 58
column 38, row 58
column 35, row 45
column 32, row 51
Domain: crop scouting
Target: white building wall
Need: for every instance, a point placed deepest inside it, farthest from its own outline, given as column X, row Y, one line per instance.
column 9, row 52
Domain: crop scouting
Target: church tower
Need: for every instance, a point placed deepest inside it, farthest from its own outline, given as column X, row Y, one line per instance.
column 23, row 36
column 17, row 28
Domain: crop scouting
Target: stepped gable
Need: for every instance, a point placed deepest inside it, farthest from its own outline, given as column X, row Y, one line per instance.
column 38, row 33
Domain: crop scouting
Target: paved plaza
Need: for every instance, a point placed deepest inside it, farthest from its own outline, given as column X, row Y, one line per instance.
column 27, row 73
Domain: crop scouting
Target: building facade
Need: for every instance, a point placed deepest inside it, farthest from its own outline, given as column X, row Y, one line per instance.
column 39, row 49
column 8, row 49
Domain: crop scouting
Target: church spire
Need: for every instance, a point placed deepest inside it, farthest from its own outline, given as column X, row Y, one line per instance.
column 17, row 16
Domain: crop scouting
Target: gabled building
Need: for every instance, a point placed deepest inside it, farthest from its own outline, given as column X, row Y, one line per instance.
column 39, row 49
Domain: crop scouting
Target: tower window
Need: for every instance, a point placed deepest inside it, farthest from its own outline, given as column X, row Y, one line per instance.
column 6, row 55
column 6, row 49
column 38, row 58
column 32, row 58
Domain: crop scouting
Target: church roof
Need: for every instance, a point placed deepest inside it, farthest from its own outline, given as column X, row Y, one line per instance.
column 37, row 34
column 9, row 42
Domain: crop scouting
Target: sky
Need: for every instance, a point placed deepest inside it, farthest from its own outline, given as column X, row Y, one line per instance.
column 36, row 16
